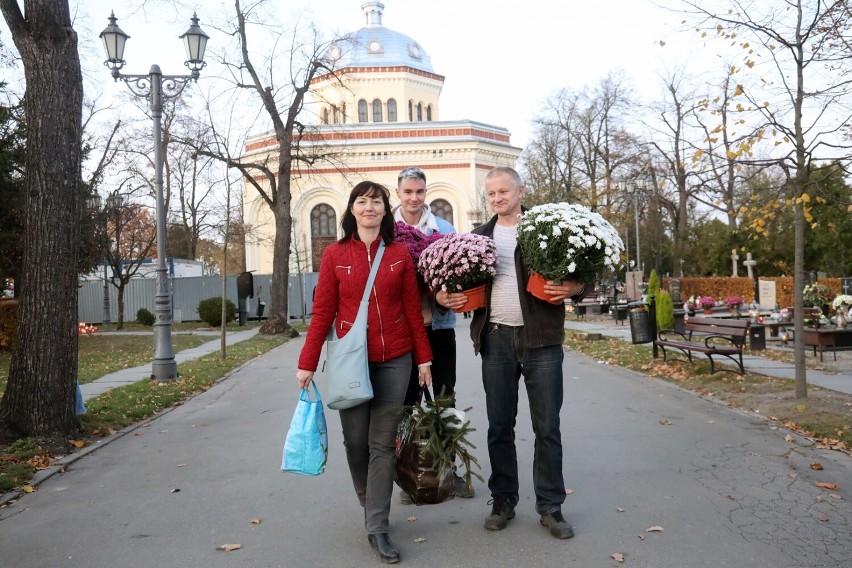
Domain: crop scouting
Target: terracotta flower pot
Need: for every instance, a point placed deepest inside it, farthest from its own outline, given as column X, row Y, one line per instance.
column 708, row 311
column 535, row 286
column 475, row 299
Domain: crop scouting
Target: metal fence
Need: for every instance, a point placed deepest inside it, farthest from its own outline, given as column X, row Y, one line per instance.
column 187, row 293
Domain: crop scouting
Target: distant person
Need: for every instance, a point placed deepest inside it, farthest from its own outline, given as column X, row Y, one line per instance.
column 395, row 330
column 439, row 320
column 519, row 335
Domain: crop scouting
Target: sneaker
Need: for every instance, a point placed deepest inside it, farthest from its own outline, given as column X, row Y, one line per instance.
column 462, row 489
column 501, row 512
column 405, row 499
column 559, row 527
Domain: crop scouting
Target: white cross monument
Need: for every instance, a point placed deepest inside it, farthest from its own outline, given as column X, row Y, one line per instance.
column 734, row 258
column 749, row 263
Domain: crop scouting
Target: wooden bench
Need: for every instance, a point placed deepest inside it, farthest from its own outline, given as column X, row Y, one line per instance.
column 710, row 336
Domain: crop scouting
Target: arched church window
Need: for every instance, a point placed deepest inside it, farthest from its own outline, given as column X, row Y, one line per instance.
column 323, row 232
column 336, row 112
column 442, row 208
column 377, row 110
column 362, row 111
column 325, row 116
column 419, row 112
column 410, row 111
column 429, row 113
column 391, row 110
column 343, row 113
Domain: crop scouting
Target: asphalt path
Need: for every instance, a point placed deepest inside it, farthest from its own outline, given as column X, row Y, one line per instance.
column 727, row 489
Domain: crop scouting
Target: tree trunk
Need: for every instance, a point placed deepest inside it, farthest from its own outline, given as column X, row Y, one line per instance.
column 278, row 297
column 120, row 316
column 40, row 395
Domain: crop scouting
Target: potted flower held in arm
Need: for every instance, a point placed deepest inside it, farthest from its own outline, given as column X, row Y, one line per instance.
column 460, row 262
column 561, row 241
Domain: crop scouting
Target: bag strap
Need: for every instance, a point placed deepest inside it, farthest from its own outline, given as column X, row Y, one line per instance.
column 373, row 270
column 366, row 296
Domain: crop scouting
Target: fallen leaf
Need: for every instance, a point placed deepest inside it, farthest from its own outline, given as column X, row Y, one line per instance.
column 617, row 556
column 816, row 466
column 835, row 496
column 619, row 509
column 229, row 547
column 181, row 465
column 175, row 490
column 569, row 491
column 412, row 518
column 28, row 488
column 255, row 521
column 823, row 519
column 419, row 539
column 788, row 438
column 655, row 528
column 641, row 536
column 78, row 443
column 666, row 422
column 829, row 486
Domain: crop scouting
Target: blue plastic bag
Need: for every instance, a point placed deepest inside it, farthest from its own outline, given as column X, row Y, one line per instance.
column 306, row 446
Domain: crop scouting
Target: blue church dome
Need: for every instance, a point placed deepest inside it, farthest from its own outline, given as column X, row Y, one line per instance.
column 377, row 46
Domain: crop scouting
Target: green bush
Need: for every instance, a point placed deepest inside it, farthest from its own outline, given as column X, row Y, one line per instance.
column 654, row 285
column 145, row 317
column 210, row 311
column 665, row 311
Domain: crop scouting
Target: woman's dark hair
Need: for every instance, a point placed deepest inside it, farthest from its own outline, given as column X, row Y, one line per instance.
column 369, row 189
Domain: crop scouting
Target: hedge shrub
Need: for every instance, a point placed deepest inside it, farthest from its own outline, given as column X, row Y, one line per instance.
column 665, row 311
column 210, row 311
column 145, row 317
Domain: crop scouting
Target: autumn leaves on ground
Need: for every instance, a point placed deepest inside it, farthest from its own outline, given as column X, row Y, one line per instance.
column 123, row 406
column 825, row 416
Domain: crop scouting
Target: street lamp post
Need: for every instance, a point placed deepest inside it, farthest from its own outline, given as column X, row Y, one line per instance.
column 156, row 87
column 631, row 187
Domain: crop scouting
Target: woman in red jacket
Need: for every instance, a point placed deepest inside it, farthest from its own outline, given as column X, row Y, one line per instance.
column 395, row 330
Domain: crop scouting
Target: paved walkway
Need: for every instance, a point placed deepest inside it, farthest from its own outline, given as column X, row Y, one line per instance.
column 841, row 381
column 726, row 488
column 136, row 374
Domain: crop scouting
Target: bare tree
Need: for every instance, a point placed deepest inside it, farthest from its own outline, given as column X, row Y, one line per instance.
column 798, row 94
column 39, row 398
column 282, row 105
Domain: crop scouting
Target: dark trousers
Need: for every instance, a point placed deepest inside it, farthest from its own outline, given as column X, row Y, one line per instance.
column 369, row 435
column 505, row 358
column 443, row 344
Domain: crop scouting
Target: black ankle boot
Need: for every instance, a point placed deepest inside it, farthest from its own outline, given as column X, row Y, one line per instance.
column 381, row 543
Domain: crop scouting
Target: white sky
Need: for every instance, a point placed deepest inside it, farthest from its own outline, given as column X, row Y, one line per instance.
column 500, row 63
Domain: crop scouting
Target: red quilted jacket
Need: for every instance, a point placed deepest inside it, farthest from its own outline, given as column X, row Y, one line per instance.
column 395, row 322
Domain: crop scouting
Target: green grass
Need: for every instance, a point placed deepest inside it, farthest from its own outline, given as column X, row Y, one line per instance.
column 123, row 406
column 825, row 415
column 100, row 355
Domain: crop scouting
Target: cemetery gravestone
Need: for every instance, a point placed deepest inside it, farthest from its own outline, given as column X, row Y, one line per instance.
column 767, row 294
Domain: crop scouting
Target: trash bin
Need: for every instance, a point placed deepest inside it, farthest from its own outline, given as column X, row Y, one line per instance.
column 679, row 323
column 757, row 337
column 640, row 331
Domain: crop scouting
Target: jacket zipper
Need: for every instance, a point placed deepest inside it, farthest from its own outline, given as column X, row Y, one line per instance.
column 348, row 268
column 378, row 309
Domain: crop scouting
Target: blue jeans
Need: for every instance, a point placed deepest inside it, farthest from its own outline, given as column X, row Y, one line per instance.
column 369, row 435
column 504, row 359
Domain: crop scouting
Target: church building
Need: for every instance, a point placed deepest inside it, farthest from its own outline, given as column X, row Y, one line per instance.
column 380, row 113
